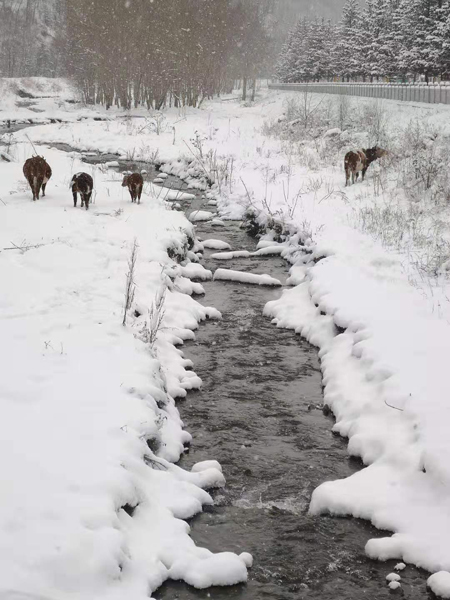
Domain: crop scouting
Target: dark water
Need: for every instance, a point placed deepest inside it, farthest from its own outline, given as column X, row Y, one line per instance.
column 259, row 413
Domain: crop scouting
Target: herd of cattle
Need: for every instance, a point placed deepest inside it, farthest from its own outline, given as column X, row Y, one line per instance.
column 37, row 172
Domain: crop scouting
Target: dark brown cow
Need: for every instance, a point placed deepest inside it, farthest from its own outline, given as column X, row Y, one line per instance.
column 134, row 182
column 37, row 172
column 360, row 160
column 83, row 184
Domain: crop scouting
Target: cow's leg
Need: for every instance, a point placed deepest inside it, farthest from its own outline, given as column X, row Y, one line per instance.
column 38, row 187
column 43, row 188
column 363, row 174
column 32, row 189
column 74, row 198
column 87, row 199
column 139, row 191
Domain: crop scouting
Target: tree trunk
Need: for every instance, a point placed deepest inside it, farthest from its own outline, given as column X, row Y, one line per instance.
column 253, row 89
column 244, row 88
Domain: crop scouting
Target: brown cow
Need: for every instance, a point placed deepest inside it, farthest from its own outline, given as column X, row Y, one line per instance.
column 37, row 172
column 360, row 160
column 83, row 184
column 134, row 182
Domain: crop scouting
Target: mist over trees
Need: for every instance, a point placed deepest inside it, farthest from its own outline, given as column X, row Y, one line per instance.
column 384, row 39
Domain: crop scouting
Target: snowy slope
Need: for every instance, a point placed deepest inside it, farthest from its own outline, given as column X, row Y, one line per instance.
column 80, row 396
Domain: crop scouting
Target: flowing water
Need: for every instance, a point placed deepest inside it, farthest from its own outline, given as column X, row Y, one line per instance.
column 259, row 413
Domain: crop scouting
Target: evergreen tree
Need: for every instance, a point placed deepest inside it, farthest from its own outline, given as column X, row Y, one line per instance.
column 349, row 42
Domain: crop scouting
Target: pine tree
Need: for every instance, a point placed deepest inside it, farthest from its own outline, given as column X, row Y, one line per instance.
column 349, row 41
column 443, row 30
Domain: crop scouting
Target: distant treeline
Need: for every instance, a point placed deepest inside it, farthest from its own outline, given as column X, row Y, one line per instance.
column 396, row 39
column 144, row 52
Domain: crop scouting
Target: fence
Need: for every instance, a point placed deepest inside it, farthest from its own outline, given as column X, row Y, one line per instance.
column 433, row 93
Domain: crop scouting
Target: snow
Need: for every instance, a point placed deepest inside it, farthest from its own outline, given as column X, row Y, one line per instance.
column 206, row 464
column 400, row 566
column 247, row 558
column 216, row 244
column 243, row 277
column 439, row 583
column 230, row 255
column 217, row 223
column 200, row 215
column 224, row 568
column 393, row 577
column 394, row 585
column 269, row 251
column 196, row 271
column 332, row 132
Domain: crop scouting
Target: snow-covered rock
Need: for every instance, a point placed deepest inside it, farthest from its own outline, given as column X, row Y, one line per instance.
column 216, row 244
column 224, row 568
column 244, row 277
column 439, row 583
column 394, row 585
column 196, row 271
column 230, row 255
column 332, row 132
column 200, row 215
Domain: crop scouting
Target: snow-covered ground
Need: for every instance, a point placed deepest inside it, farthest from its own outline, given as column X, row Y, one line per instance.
column 372, row 296
column 90, row 430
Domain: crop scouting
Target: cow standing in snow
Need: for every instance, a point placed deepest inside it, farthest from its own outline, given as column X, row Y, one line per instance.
column 134, row 182
column 360, row 160
column 83, row 184
column 37, row 172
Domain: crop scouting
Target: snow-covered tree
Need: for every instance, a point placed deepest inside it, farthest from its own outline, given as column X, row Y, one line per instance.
column 387, row 39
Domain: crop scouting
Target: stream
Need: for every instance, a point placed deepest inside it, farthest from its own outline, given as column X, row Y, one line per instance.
column 259, row 413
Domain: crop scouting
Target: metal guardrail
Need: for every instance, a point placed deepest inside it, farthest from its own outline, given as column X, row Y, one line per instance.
column 432, row 93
